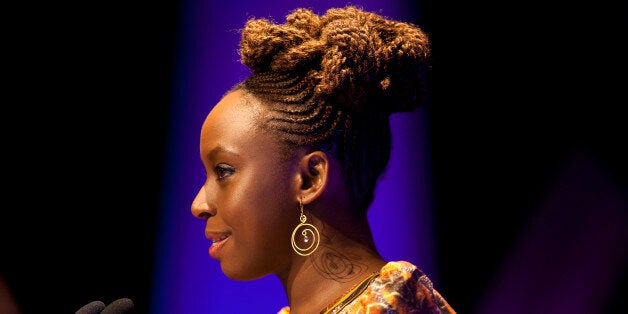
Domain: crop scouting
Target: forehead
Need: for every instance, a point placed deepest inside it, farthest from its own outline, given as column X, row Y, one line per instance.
column 234, row 107
column 234, row 123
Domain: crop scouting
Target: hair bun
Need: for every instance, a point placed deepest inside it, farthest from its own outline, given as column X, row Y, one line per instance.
column 358, row 59
column 381, row 61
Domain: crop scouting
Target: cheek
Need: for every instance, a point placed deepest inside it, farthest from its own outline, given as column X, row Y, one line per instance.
column 272, row 202
column 260, row 204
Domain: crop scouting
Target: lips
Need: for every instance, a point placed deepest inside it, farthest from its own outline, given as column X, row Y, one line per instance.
column 217, row 236
column 218, row 240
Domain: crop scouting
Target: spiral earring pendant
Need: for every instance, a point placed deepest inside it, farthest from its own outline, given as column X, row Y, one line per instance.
column 309, row 234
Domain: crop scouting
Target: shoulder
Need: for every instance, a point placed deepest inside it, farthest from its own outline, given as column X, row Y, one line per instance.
column 404, row 288
column 400, row 269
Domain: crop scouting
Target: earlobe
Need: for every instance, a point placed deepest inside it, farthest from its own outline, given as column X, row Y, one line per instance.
column 314, row 173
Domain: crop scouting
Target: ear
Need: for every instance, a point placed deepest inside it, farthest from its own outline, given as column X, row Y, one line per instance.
column 313, row 175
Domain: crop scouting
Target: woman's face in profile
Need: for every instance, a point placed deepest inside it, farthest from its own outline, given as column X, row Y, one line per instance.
column 248, row 197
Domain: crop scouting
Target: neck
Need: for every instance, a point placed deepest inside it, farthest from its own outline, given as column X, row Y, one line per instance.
column 342, row 260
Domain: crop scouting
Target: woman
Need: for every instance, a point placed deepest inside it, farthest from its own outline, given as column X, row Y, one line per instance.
column 293, row 154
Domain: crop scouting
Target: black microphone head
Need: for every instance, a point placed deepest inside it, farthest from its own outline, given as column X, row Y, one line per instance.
column 119, row 306
column 93, row 307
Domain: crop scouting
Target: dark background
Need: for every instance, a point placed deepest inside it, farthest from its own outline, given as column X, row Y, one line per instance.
column 86, row 127
column 517, row 90
column 520, row 90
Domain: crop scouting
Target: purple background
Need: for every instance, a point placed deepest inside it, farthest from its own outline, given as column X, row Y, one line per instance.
column 207, row 64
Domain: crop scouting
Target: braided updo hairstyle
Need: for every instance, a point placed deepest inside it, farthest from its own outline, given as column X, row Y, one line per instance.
column 332, row 81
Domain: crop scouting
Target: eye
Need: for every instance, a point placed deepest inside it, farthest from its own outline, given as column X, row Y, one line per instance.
column 223, row 171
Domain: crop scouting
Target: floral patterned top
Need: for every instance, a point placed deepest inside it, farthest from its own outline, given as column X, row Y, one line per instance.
column 399, row 287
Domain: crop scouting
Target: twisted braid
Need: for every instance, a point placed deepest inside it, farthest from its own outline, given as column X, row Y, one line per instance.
column 332, row 81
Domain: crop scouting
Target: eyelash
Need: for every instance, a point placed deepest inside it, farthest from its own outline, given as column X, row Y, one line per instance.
column 223, row 171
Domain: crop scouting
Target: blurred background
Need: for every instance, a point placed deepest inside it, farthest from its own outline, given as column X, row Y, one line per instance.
column 513, row 180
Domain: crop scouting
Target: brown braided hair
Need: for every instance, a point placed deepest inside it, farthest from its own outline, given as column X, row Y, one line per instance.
column 332, row 81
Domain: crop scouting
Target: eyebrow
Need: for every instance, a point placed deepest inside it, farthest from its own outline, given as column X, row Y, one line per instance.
column 219, row 149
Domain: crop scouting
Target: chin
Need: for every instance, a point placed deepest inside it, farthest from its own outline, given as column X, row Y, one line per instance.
column 239, row 273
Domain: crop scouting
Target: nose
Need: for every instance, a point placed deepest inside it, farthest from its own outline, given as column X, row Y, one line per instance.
column 200, row 207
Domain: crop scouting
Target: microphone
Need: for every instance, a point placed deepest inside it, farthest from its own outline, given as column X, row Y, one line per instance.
column 93, row 307
column 119, row 306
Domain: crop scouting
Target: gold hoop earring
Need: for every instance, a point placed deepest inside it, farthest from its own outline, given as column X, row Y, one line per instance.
column 309, row 236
